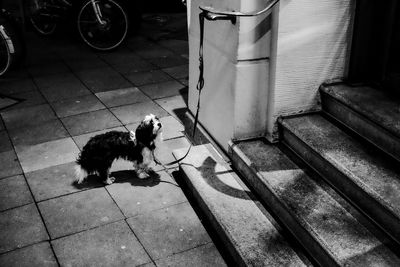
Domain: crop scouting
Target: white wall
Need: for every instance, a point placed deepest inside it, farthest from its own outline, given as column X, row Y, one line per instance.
column 311, row 45
column 266, row 66
column 235, row 71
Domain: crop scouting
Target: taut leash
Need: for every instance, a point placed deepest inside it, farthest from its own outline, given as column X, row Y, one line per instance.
column 199, row 87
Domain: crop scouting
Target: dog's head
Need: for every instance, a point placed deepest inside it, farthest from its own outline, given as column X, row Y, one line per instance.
column 148, row 131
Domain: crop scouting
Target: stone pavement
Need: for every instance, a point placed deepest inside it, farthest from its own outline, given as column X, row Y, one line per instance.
column 72, row 93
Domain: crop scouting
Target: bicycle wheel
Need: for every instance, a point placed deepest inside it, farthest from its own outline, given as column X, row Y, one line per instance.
column 40, row 18
column 6, row 50
column 102, row 24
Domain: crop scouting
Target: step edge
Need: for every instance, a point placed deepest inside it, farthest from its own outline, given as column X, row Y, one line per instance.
column 345, row 171
column 237, row 154
column 325, row 92
column 216, row 222
column 368, row 137
column 343, row 194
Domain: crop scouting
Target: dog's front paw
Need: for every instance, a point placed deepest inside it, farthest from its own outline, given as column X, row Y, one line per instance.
column 143, row 175
column 109, row 180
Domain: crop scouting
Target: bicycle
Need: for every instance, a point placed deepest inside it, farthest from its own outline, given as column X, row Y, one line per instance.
column 11, row 43
column 102, row 24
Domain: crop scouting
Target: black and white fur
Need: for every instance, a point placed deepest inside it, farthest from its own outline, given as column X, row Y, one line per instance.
column 138, row 147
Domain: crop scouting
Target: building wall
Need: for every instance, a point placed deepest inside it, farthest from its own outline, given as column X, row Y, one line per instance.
column 267, row 66
column 235, row 70
column 312, row 45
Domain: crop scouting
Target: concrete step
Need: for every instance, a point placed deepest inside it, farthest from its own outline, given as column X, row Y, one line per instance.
column 368, row 179
column 249, row 236
column 368, row 112
column 326, row 229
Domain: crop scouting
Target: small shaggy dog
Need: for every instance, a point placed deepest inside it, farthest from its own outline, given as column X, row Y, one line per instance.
column 101, row 150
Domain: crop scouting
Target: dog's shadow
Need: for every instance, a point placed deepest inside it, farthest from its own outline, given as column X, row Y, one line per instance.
column 125, row 176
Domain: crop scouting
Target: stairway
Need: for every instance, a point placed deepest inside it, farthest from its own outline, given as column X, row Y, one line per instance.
column 327, row 195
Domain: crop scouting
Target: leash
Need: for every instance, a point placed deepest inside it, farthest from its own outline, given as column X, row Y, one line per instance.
column 199, row 87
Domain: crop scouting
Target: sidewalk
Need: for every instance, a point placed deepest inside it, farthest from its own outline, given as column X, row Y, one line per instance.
column 72, row 93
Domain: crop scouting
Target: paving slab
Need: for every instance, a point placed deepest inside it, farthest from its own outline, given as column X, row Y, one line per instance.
column 121, row 56
column 28, row 116
column 40, row 133
column 5, row 143
column 21, row 227
column 184, row 81
column 61, row 86
column 109, row 245
column 47, row 154
column 122, row 97
column 163, row 89
column 176, row 45
column 90, row 122
column 81, row 140
column 164, row 150
column 15, row 86
column 136, row 112
column 175, row 105
column 30, row 98
column 206, row 255
column 41, row 70
column 154, row 51
column 77, row 105
column 168, row 61
column 80, row 64
column 38, row 255
column 9, row 164
column 170, row 230
column 147, row 77
column 136, row 196
column 14, row 192
column 79, row 211
column 55, row 181
column 134, row 66
column 104, row 79
column 178, row 72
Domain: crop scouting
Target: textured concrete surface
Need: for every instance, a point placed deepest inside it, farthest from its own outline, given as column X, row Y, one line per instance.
column 248, row 234
column 89, row 248
column 360, row 172
column 312, row 214
column 169, row 230
column 36, row 255
column 375, row 105
column 200, row 256
column 368, row 112
column 21, row 227
column 73, row 93
column 14, row 192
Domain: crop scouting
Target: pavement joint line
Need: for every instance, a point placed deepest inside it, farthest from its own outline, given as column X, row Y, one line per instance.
column 19, row 206
column 140, row 242
column 70, row 193
column 85, row 230
column 25, row 246
column 40, row 213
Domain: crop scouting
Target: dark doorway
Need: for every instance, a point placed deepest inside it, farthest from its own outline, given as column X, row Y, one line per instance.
column 375, row 55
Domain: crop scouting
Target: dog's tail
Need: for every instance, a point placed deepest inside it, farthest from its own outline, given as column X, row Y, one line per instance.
column 80, row 174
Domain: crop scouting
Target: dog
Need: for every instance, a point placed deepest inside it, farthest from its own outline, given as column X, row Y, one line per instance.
column 138, row 147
